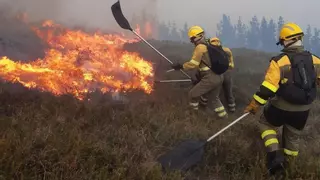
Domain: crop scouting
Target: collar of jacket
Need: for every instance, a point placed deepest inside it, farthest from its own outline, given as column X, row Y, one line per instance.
column 293, row 49
column 201, row 41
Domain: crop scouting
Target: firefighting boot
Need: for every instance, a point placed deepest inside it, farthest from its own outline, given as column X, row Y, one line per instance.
column 275, row 162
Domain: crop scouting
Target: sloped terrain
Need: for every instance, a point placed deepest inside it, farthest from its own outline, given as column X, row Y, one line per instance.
column 48, row 137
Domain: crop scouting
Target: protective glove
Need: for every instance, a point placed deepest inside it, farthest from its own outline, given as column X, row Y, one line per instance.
column 253, row 107
column 195, row 81
column 177, row 66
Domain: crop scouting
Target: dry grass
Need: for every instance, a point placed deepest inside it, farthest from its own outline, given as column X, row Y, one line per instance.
column 47, row 137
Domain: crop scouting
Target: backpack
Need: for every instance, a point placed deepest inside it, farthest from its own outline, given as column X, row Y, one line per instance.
column 301, row 85
column 219, row 59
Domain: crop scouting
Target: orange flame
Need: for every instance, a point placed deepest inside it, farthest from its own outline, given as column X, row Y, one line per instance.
column 148, row 29
column 138, row 29
column 78, row 63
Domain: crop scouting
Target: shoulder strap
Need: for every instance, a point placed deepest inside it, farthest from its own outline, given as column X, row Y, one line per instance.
column 278, row 57
column 291, row 54
column 206, row 43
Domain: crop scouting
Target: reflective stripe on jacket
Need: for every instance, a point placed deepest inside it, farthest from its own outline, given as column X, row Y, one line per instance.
column 273, row 77
column 200, row 54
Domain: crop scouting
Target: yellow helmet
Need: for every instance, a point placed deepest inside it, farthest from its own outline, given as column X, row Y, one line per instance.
column 215, row 41
column 195, row 32
column 290, row 31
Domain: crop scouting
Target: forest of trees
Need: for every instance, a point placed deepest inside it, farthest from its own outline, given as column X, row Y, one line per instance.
column 259, row 34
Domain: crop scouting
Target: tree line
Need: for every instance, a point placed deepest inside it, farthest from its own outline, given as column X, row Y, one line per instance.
column 258, row 34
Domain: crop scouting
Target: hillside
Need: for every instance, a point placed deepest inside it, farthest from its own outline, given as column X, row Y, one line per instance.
column 49, row 137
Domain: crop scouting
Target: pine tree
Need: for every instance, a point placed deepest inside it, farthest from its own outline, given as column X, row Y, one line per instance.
column 268, row 35
column 264, row 34
column 184, row 32
column 253, row 35
column 280, row 23
column 272, row 30
column 175, row 35
column 240, row 33
column 315, row 42
column 226, row 31
column 164, row 31
column 169, row 27
column 307, row 38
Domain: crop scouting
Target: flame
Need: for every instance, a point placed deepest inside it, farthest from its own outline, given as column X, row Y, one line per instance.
column 78, row 63
column 148, row 29
column 138, row 29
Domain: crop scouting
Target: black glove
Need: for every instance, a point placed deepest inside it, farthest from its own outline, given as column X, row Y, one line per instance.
column 177, row 66
column 195, row 81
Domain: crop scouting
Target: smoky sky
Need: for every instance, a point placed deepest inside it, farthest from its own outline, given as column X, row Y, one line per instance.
column 207, row 13
column 93, row 13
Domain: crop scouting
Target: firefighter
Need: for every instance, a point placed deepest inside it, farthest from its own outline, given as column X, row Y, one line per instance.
column 209, row 84
column 227, row 84
column 286, row 104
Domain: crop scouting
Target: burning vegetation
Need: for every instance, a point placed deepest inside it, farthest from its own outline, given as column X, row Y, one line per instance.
column 78, row 63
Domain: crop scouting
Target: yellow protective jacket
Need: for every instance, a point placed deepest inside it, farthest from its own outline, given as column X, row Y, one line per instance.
column 274, row 76
column 200, row 55
column 229, row 52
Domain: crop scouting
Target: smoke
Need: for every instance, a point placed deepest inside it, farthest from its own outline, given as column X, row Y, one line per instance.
column 92, row 14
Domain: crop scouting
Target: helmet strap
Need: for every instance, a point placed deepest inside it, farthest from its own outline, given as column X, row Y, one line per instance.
column 280, row 42
column 192, row 40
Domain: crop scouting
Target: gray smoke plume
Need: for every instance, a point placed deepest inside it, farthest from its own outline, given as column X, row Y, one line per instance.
column 92, row 14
